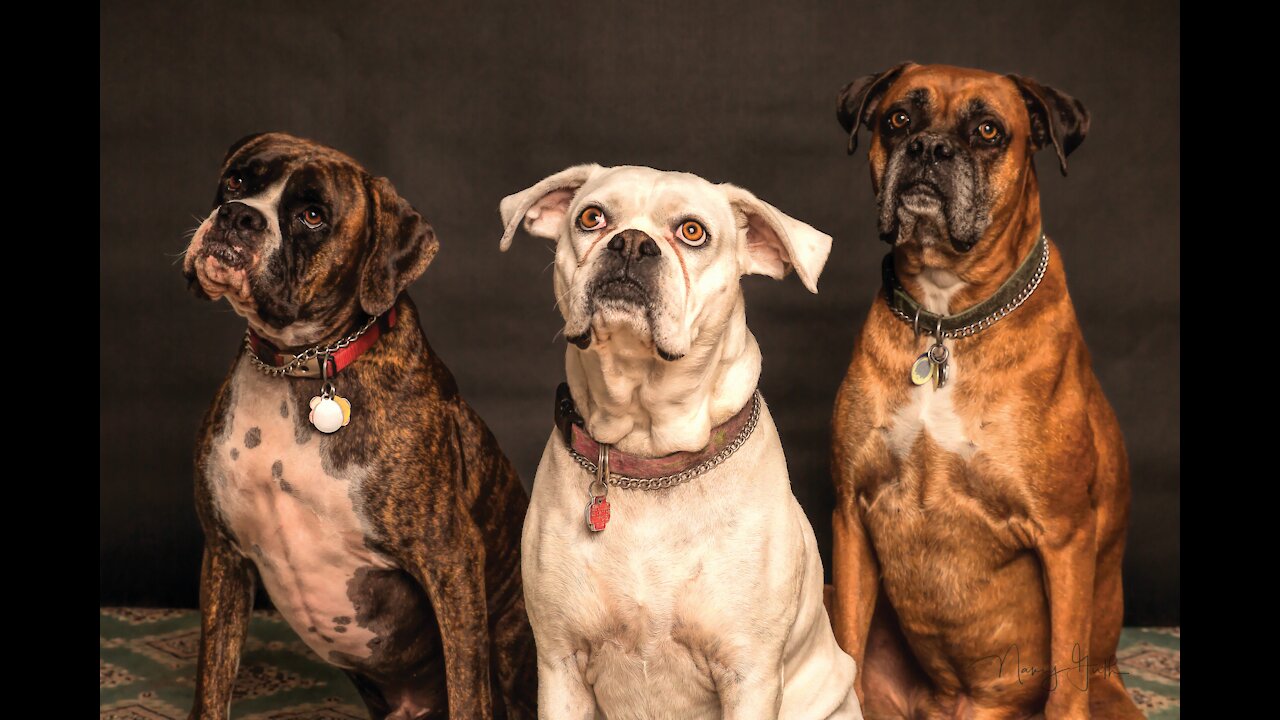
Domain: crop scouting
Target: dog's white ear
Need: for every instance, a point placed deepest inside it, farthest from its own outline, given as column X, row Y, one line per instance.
column 542, row 207
column 777, row 242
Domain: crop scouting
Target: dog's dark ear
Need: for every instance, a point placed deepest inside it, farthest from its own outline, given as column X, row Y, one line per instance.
column 857, row 101
column 239, row 144
column 401, row 246
column 1056, row 118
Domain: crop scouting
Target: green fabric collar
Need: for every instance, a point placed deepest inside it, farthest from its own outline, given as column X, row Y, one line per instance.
column 1012, row 293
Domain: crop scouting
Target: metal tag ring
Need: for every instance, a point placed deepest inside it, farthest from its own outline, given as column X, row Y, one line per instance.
column 939, row 353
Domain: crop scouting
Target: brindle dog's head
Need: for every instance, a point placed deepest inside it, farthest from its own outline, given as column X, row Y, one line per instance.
column 951, row 148
column 303, row 242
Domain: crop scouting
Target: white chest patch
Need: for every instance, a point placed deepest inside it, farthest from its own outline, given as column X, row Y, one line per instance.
column 937, row 287
column 297, row 521
column 931, row 411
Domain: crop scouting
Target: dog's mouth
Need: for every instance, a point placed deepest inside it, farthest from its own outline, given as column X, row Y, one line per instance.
column 922, row 198
column 230, row 256
column 219, row 268
column 620, row 300
column 619, row 290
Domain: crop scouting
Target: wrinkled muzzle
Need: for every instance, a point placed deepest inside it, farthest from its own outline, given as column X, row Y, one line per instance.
column 932, row 190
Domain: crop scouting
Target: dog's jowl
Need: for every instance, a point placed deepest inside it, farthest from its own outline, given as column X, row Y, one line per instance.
column 669, row 571
column 981, row 480
column 338, row 464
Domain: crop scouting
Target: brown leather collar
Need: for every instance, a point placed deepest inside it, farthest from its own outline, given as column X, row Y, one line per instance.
column 571, row 428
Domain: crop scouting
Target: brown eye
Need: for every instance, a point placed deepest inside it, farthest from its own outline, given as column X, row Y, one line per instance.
column 591, row 218
column 234, row 183
column 692, row 233
column 312, row 217
column 988, row 131
column 899, row 120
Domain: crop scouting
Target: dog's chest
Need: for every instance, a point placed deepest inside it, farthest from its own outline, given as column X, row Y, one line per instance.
column 943, row 483
column 298, row 520
column 667, row 597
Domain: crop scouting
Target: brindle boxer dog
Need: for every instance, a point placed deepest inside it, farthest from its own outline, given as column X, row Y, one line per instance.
column 980, row 520
column 391, row 544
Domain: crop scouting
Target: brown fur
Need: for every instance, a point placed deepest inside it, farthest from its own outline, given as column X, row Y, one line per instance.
column 943, row 565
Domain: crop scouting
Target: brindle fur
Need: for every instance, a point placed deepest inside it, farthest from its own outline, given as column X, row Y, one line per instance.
column 440, row 497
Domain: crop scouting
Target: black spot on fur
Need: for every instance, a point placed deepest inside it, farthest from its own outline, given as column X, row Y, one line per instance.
column 342, row 620
column 339, row 628
column 235, row 454
column 284, row 408
column 253, row 438
column 277, row 469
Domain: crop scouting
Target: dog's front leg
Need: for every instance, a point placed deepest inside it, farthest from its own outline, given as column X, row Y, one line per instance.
column 450, row 566
column 226, row 599
column 562, row 689
column 854, row 576
column 748, row 695
column 1068, row 557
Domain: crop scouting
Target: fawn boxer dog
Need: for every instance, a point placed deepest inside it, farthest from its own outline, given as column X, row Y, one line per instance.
column 338, row 462
column 669, row 571
column 981, row 480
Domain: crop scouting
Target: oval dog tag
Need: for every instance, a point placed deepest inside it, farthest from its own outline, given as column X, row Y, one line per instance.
column 922, row 370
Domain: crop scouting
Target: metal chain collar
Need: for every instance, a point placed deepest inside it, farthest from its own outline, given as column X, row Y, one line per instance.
column 303, row 357
column 684, row 476
column 986, row 322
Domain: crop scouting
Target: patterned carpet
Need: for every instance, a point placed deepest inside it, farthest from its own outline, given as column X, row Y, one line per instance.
column 147, row 667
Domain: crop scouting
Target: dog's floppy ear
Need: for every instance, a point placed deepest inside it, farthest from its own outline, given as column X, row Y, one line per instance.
column 1056, row 118
column 542, row 207
column 857, row 101
column 776, row 242
column 402, row 244
column 239, row 144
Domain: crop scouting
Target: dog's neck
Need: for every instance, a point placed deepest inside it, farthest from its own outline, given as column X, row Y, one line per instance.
column 643, row 405
column 947, row 282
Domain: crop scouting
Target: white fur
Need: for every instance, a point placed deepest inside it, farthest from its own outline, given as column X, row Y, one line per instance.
column 937, row 287
column 930, row 411
column 703, row 600
column 307, row 543
column 636, row 400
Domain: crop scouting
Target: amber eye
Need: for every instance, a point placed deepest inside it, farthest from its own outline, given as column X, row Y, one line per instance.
column 312, row 217
column 592, row 218
column 692, row 233
column 234, row 183
column 988, row 131
column 899, row 120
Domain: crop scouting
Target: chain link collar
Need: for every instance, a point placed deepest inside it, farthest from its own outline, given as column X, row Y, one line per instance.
column 295, row 367
column 684, row 476
column 1020, row 285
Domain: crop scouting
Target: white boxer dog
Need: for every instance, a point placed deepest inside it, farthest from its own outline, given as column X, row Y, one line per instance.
column 669, row 572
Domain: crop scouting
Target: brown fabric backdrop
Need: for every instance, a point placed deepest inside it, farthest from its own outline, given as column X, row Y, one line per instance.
column 461, row 103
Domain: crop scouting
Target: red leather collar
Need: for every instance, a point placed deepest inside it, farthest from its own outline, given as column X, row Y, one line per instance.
column 338, row 361
column 570, row 425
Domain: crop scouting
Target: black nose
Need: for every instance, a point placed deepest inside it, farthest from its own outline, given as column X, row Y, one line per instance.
column 238, row 216
column 931, row 148
column 633, row 245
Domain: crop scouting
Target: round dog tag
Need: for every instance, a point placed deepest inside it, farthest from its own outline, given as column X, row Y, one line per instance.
column 330, row 414
column 922, row 370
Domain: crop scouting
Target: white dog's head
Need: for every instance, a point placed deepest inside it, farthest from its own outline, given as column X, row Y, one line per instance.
column 659, row 253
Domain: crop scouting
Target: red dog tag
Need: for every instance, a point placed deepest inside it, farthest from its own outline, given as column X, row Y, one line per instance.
column 597, row 513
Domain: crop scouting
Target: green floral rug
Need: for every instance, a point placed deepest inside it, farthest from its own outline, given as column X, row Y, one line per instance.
column 147, row 666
